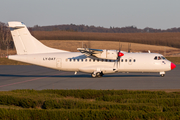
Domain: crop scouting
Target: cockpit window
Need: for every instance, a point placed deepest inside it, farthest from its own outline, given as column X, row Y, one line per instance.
column 159, row 58
column 163, row 57
column 155, row 58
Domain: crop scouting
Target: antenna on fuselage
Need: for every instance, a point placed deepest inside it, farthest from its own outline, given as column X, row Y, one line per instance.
column 129, row 47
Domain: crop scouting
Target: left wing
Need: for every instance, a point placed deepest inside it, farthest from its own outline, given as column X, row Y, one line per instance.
column 98, row 53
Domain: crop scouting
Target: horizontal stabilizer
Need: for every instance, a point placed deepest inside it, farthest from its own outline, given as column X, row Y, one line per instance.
column 16, row 25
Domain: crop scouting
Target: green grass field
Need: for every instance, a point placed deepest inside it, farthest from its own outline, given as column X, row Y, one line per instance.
column 89, row 104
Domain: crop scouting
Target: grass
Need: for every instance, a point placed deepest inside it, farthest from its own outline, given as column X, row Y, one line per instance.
column 5, row 61
column 135, row 47
column 164, row 39
column 175, row 60
column 72, row 45
column 89, row 104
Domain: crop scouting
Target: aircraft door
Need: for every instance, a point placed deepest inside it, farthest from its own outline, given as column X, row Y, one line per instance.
column 58, row 63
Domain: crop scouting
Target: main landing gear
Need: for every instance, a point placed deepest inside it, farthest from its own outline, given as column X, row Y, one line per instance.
column 98, row 74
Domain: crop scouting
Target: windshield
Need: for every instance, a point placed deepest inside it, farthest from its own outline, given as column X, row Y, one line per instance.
column 163, row 57
column 159, row 58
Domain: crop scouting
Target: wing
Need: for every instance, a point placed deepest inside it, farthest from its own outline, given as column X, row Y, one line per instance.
column 89, row 51
column 98, row 53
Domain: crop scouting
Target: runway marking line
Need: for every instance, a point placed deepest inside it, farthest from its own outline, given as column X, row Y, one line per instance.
column 25, row 81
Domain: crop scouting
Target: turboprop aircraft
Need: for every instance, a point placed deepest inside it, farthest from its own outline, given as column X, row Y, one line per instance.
column 97, row 62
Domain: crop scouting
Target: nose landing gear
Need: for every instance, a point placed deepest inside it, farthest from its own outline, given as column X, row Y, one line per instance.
column 162, row 74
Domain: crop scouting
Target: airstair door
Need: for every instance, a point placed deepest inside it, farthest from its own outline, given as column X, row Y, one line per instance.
column 58, row 63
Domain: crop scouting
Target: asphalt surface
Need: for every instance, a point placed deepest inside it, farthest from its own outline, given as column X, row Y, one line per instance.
column 34, row 77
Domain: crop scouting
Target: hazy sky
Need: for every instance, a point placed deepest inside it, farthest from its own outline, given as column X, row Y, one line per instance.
column 116, row 13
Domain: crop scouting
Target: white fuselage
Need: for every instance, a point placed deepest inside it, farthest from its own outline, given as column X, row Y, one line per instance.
column 76, row 61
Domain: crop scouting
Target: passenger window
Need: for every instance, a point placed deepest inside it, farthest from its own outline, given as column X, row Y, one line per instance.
column 86, row 60
column 70, row 60
column 74, row 60
column 134, row 60
column 121, row 60
column 98, row 60
column 82, row 60
column 93, row 60
column 126, row 60
column 78, row 60
column 89, row 60
column 129, row 60
column 155, row 58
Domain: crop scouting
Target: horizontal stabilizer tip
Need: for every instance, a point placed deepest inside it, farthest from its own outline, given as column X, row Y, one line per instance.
column 16, row 24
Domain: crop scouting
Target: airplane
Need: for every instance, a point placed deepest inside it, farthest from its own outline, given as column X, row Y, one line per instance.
column 97, row 62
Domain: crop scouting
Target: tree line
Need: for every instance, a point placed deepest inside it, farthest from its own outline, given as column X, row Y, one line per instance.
column 86, row 28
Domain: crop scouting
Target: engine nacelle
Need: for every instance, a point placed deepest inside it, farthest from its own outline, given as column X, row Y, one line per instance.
column 107, row 54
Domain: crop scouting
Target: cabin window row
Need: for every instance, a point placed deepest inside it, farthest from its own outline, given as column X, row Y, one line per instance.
column 99, row 60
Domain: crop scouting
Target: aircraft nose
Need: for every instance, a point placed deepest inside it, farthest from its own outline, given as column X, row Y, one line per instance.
column 173, row 66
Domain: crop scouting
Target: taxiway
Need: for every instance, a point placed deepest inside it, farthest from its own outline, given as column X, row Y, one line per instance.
column 34, row 77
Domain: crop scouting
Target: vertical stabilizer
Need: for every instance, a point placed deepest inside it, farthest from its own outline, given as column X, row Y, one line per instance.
column 25, row 43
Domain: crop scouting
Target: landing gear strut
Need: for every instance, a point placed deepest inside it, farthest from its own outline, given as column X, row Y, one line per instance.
column 162, row 74
column 93, row 75
column 98, row 74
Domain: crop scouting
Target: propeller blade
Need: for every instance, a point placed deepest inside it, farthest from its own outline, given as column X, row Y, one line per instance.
column 119, row 55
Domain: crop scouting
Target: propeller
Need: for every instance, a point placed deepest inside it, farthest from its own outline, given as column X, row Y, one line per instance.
column 119, row 55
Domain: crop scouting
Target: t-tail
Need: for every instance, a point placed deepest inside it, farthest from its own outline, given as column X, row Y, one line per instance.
column 25, row 43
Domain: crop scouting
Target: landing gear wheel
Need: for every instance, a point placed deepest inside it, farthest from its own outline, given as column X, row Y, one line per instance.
column 162, row 75
column 93, row 75
column 98, row 74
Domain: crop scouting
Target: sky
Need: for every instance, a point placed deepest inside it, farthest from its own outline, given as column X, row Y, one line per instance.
column 159, row 14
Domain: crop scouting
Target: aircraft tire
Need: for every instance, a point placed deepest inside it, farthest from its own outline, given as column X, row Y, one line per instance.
column 93, row 75
column 162, row 75
column 98, row 74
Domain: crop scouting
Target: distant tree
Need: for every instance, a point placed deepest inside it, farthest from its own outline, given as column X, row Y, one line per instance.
column 5, row 37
